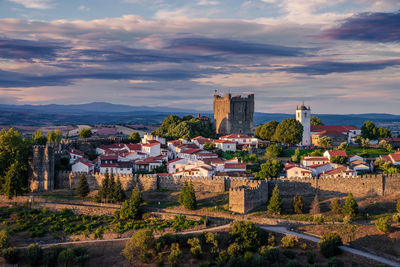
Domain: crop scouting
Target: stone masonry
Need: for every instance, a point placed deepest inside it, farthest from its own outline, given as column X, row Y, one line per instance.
column 234, row 114
column 41, row 168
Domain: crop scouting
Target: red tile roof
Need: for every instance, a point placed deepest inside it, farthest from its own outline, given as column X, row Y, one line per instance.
column 315, row 159
column 191, row 151
column 337, row 128
column 395, row 156
column 337, row 170
column 87, row 163
column 108, row 157
column 107, row 165
column 213, row 160
column 174, row 160
column 236, row 136
column 75, row 152
column 152, row 144
column 389, row 139
column 330, row 132
column 134, row 147
column 335, row 153
column 224, row 141
column 318, row 165
column 235, row 166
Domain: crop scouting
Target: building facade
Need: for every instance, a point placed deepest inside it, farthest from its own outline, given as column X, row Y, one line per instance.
column 234, row 114
column 303, row 115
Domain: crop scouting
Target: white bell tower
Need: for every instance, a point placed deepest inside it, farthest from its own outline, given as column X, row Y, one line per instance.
column 303, row 115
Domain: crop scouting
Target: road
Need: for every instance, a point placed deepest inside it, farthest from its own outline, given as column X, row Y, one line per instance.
column 276, row 229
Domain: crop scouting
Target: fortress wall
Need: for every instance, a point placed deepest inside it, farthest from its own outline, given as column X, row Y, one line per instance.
column 244, row 199
column 392, row 184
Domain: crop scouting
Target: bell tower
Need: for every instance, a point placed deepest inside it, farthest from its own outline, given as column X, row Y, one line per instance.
column 303, row 115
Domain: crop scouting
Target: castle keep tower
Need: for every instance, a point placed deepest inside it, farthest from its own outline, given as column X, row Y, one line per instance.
column 234, row 114
column 303, row 115
column 41, row 168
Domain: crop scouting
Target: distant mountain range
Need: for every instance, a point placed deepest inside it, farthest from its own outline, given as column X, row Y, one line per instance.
column 107, row 113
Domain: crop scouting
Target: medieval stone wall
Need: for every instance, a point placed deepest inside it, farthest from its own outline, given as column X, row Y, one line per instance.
column 41, row 168
column 243, row 199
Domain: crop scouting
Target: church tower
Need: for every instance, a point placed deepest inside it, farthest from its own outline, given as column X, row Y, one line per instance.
column 303, row 115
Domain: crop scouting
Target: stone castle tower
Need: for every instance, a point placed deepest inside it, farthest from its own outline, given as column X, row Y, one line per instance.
column 303, row 115
column 41, row 168
column 234, row 114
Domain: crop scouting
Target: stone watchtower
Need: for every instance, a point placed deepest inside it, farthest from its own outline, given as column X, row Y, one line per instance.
column 234, row 114
column 303, row 115
column 41, row 168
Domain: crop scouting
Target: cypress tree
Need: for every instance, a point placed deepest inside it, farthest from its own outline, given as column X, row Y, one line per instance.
column 83, row 187
column 131, row 209
column 298, row 204
column 275, row 203
column 315, row 208
column 104, row 186
column 111, row 187
column 118, row 192
column 187, row 198
column 350, row 206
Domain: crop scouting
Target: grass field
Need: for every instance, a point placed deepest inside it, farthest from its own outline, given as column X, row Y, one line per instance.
column 372, row 152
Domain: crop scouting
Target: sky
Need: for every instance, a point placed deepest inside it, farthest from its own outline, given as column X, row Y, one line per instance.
column 339, row 56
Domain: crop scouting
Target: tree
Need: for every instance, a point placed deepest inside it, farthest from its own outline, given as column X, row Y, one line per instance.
column 141, row 243
column 350, row 206
column 247, row 235
column 175, row 256
column 39, row 138
column 131, row 209
column 371, row 131
column 195, row 246
column 269, row 169
column 209, row 146
column 4, row 239
column 267, row 131
column 54, row 136
column 118, row 192
column 315, row 207
column 339, row 159
column 34, row 254
column 343, row 146
column 329, row 245
column 364, row 142
column 316, row 153
column 296, row 156
column 105, row 185
column 315, row 121
column 275, row 203
column 398, row 206
column 335, row 206
column 187, row 197
column 135, row 138
column 298, row 204
column 111, row 187
column 85, row 133
column 289, row 131
column 325, row 142
column 383, row 225
column 14, row 181
column 272, row 152
column 83, row 187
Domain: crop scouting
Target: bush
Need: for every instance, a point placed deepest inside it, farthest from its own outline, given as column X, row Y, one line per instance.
column 334, row 262
column 222, row 258
column 195, row 247
column 347, row 219
column 271, row 240
column 273, row 255
column 318, row 219
column 236, row 262
column 329, row 245
column 398, row 206
column 34, row 254
column 293, row 263
column 263, row 250
column 289, row 241
column 303, row 246
column 175, row 256
column 187, row 197
column 335, row 206
column 290, row 254
column 98, row 234
column 247, row 235
column 51, row 255
column 275, row 202
column 11, row 255
column 311, row 257
column 383, row 225
column 350, row 206
column 298, row 204
column 4, row 239
column 140, row 243
column 234, row 249
column 66, row 257
column 396, row 217
column 159, row 261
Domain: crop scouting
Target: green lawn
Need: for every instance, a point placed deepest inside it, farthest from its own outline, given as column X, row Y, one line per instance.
column 289, row 152
column 372, row 152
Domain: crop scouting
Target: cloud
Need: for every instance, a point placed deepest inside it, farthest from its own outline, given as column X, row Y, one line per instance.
column 234, row 47
column 34, row 4
column 328, row 67
column 370, row 27
column 83, row 8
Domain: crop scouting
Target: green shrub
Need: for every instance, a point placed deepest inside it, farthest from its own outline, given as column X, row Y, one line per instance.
column 247, row 235
column 34, row 254
column 311, row 257
column 273, row 255
column 195, row 247
column 222, row 258
column 159, row 261
column 66, row 257
column 187, row 197
column 175, row 256
column 263, row 250
column 334, row 262
column 248, row 257
column 236, row 262
column 398, row 206
column 4, row 239
column 298, row 205
column 329, row 245
column 205, row 264
column 271, row 240
column 350, row 206
column 275, row 202
column 51, row 255
column 396, row 217
column 139, row 244
column 335, row 206
column 383, row 225
column 11, row 255
column 290, row 254
column 234, row 250
column 318, row 219
column 289, row 241
column 303, row 246
column 347, row 219
column 98, row 234
column 292, row 263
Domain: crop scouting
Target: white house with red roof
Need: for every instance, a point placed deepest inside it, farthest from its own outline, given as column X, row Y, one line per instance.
column 149, row 137
column 341, row 171
column 225, row 145
column 196, row 154
column 240, row 139
column 75, row 155
column 152, row 149
column 395, row 158
column 297, row 171
column 308, row 161
column 200, row 141
column 203, row 171
column 216, row 163
column 318, row 169
column 117, row 168
column 134, row 147
column 350, row 131
column 148, row 164
column 235, row 167
column 172, row 164
column 335, row 153
column 83, row 165
column 130, row 156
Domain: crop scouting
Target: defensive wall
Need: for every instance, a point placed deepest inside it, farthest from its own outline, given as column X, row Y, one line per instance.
column 244, row 198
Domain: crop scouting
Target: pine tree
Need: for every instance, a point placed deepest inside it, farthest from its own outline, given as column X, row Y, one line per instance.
column 131, row 209
column 275, row 203
column 187, row 197
column 298, row 204
column 118, row 192
column 350, row 206
column 104, row 186
column 315, row 208
column 111, row 187
column 83, row 187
